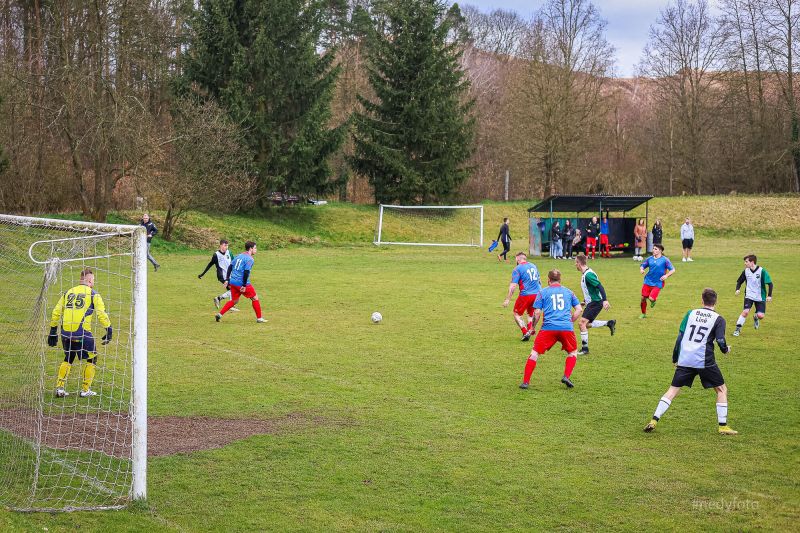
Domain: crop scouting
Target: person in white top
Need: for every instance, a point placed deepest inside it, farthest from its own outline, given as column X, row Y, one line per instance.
column 687, row 239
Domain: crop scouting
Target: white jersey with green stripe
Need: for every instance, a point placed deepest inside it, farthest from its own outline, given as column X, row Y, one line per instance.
column 590, row 284
column 695, row 345
column 757, row 281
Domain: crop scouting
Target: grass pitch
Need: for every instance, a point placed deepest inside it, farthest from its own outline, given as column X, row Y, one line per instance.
column 421, row 424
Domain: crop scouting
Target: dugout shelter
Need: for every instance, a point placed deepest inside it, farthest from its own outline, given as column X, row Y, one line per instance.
column 580, row 209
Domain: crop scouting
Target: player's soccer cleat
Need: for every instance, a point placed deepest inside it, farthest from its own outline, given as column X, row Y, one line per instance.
column 612, row 325
column 584, row 350
column 218, row 317
column 726, row 430
column 216, row 302
column 523, row 386
column 683, row 259
column 690, row 260
column 61, row 393
column 651, row 426
column 526, row 336
column 737, row 331
column 261, row 320
column 235, row 309
column 565, row 380
column 643, row 315
column 87, row 393
column 652, row 304
column 756, row 323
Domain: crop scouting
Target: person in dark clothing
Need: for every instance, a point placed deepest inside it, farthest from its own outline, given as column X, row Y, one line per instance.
column 151, row 230
column 555, row 240
column 592, row 234
column 504, row 238
column 566, row 238
column 658, row 232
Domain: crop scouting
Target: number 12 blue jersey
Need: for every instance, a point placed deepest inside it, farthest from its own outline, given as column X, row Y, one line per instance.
column 556, row 303
column 527, row 276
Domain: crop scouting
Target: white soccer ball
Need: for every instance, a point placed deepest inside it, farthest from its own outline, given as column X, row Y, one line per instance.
column 376, row 317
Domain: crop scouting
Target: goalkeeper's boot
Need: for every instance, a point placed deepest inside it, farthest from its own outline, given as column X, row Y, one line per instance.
column 565, row 380
column 726, row 430
column 651, row 426
column 652, row 304
column 261, row 320
column 737, row 331
column 612, row 325
column 61, row 393
column 88, row 393
column 523, row 386
column 218, row 317
column 216, row 302
column 756, row 322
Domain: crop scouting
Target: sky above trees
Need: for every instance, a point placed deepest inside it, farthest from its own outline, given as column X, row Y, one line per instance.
column 628, row 23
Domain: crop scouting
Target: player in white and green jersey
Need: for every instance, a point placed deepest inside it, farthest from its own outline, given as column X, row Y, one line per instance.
column 757, row 292
column 693, row 355
column 595, row 300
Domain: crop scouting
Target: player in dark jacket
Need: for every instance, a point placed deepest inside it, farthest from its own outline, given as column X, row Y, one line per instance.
column 504, row 238
column 151, row 230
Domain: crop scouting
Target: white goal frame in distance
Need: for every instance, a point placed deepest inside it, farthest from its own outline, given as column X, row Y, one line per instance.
column 378, row 241
column 138, row 403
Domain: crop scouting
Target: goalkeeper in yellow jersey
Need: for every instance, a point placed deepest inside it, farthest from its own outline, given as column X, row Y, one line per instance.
column 75, row 311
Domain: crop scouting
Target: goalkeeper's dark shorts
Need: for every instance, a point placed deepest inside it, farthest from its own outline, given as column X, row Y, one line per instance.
column 81, row 346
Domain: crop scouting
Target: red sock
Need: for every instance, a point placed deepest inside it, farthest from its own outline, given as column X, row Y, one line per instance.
column 644, row 307
column 530, row 327
column 529, row 366
column 569, row 364
column 257, row 308
column 230, row 303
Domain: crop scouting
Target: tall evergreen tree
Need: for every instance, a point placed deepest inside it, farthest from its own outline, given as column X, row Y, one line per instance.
column 260, row 59
column 414, row 138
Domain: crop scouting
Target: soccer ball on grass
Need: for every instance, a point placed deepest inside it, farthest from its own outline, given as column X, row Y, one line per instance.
column 376, row 317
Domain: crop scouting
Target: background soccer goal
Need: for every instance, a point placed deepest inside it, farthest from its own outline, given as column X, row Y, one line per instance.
column 420, row 225
column 71, row 453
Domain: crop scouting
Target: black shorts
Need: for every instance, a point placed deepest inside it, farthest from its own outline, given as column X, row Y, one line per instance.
column 592, row 310
column 709, row 377
column 761, row 307
column 688, row 243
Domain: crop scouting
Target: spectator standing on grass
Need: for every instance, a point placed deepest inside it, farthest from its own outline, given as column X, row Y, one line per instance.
column 555, row 240
column 658, row 232
column 576, row 240
column 566, row 238
column 605, row 245
column 504, row 238
column 639, row 240
column 151, row 231
column 687, row 239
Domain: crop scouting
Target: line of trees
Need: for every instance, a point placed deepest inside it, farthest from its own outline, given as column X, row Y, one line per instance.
column 223, row 104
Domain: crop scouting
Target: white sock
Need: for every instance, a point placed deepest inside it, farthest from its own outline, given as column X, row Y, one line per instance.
column 599, row 323
column 740, row 321
column 226, row 294
column 585, row 338
column 722, row 413
column 661, row 408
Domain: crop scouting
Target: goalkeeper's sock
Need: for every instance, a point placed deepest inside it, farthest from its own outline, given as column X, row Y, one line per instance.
column 740, row 321
column 226, row 294
column 88, row 376
column 530, row 365
column 257, row 308
column 63, row 374
column 569, row 364
column 599, row 323
column 644, row 307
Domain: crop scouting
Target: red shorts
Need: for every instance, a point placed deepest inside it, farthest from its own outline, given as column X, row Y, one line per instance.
column 524, row 304
column 546, row 339
column 603, row 239
column 591, row 242
column 249, row 292
column 650, row 292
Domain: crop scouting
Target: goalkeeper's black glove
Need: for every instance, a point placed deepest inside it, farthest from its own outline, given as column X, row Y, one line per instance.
column 108, row 335
column 52, row 338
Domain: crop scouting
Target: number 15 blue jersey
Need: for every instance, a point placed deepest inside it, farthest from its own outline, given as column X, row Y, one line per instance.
column 556, row 303
column 527, row 276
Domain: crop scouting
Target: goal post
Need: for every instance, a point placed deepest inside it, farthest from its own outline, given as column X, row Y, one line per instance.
column 429, row 225
column 79, row 451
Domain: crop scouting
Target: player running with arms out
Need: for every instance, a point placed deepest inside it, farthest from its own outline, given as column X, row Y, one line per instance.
column 222, row 260
column 659, row 268
column 561, row 309
column 526, row 275
column 757, row 291
column 693, row 355
column 239, row 281
column 75, row 312
column 595, row 300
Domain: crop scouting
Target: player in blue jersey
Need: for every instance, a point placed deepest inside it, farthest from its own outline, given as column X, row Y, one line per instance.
column 561, row 309
column 526, row 275
column 239, row 281
column 659, row 268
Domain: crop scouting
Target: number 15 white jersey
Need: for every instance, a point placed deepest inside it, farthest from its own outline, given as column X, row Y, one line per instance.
column 695, row 344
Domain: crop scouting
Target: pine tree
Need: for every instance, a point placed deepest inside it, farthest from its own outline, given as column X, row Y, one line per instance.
column 260, row 60
column 414, row 138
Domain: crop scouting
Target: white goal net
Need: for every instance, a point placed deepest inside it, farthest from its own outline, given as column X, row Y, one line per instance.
column 77, row 451
column 422, row 225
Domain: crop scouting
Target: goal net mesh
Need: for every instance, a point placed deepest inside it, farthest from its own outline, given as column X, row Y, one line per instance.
column 430, row 226
column 74, row 452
